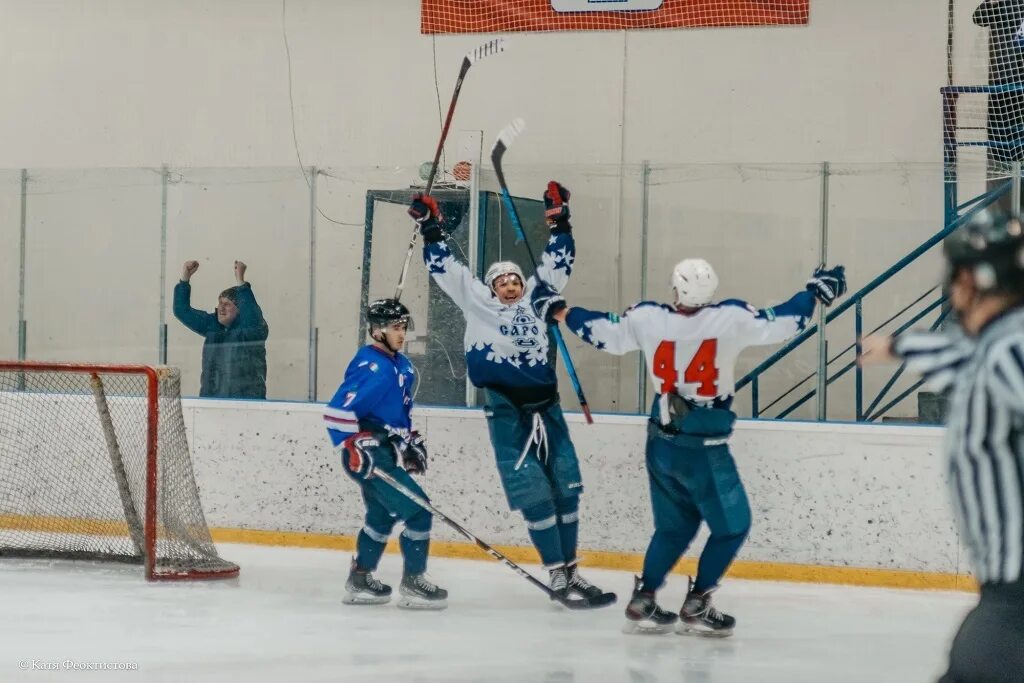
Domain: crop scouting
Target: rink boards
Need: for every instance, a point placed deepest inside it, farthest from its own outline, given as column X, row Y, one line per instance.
column 833, row 503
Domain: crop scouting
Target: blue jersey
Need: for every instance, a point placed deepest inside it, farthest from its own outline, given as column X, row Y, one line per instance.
column 377, row 390
column 506, row 345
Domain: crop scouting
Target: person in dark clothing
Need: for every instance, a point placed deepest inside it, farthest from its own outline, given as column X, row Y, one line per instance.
column 1005, row 21
column 235, row 350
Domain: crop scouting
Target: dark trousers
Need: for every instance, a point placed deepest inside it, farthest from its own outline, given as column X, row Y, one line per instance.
column 691, row 482
column 384, row 507
column 538, row 478
column 989, row 647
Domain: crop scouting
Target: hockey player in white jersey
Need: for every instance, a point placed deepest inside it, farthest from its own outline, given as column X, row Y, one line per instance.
column 507, row 356
column 691, row 350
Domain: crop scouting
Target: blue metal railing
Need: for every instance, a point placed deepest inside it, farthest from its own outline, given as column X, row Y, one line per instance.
column 856, row 301
column 850, row 365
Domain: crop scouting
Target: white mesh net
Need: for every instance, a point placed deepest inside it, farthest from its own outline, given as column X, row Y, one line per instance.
column 984, row 104
column 83, row 475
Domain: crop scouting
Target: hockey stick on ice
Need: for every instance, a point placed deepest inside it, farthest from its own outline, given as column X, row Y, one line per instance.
column 489, row 48
column 504, row 141
column 571, row 603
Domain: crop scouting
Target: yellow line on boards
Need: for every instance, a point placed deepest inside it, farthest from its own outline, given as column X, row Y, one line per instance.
column 65, row 525
column 741, row 569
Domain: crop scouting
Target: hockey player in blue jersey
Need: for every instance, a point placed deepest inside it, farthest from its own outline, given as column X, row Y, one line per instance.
column 369, row 424
column 507, row 356
column 691, row 351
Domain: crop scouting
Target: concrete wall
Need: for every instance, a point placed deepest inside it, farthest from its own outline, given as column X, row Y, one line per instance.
column 836, row 495
column 201, row 84
column 750, row 112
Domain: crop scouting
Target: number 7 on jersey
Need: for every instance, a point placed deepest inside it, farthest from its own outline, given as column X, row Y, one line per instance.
column 701, row 370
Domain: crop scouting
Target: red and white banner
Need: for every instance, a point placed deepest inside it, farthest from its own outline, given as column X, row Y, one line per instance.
column 497, row 16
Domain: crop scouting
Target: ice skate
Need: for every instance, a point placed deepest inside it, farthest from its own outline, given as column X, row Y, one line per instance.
column 419, row 593
column 643, row 616
column 362, row 588
column 698, row 617
column 558, row 581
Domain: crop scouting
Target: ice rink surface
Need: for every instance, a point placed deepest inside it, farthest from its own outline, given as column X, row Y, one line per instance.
column 283, row 620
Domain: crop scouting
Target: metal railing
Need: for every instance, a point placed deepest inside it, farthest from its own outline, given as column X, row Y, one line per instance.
column 856, row 302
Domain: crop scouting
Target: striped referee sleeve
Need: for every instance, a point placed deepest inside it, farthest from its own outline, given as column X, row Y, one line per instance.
column 936, row 356
column 1003, row 488
column 1006, row 373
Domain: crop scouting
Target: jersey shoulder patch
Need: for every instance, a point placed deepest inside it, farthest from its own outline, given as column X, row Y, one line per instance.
column 370, row 365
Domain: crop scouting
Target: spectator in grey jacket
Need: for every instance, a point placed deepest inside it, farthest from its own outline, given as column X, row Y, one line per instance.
column 235, row 350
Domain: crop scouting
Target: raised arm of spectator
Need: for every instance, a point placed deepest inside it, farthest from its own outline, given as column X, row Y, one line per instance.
column 252, row 325
column 192, row 318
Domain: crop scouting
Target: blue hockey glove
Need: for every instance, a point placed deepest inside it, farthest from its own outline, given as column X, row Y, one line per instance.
column 828, row 285
column 546, row 302
column 427, row 214
column 556, row 206
column 358, row 455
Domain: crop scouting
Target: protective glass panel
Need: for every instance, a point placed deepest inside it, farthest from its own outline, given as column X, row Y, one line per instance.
column 10, row 260
column 92, row 270
column 259, row 217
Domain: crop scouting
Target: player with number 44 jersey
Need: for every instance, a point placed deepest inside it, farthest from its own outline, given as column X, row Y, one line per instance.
column 691, row 349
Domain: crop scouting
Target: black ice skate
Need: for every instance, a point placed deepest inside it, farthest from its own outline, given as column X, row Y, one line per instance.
column 419, row 593
column 643, row 614
column 698, row 617
column 581, row 587
column 558, row 581
column 362, row 588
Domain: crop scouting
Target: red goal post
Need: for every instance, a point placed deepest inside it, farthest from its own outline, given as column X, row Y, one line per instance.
column 95, row 465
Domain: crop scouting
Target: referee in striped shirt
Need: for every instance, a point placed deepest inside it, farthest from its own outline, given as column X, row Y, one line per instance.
column 983, row 365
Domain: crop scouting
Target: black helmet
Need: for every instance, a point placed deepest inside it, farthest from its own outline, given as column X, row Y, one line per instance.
column 991, row 245
column 387, row 311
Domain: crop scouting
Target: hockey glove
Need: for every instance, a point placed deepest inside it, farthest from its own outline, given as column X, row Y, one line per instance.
column 556, row 207
column 427, row 214
column 358, row 455
column 547, row 302
column 827, row 285
column 414, row 458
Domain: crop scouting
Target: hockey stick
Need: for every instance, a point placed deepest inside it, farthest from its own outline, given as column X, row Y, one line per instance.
column 571, row 603
column 489, row 48
column 504, row 141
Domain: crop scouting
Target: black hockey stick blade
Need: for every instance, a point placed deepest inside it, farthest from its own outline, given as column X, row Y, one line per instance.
column 491, row 47
column 602, row 600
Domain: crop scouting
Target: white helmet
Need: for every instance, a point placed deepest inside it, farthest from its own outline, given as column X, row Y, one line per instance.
column 503, row 268
column 695, row 282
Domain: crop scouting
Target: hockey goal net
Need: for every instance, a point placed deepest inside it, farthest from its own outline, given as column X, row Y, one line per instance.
column 94, row 465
